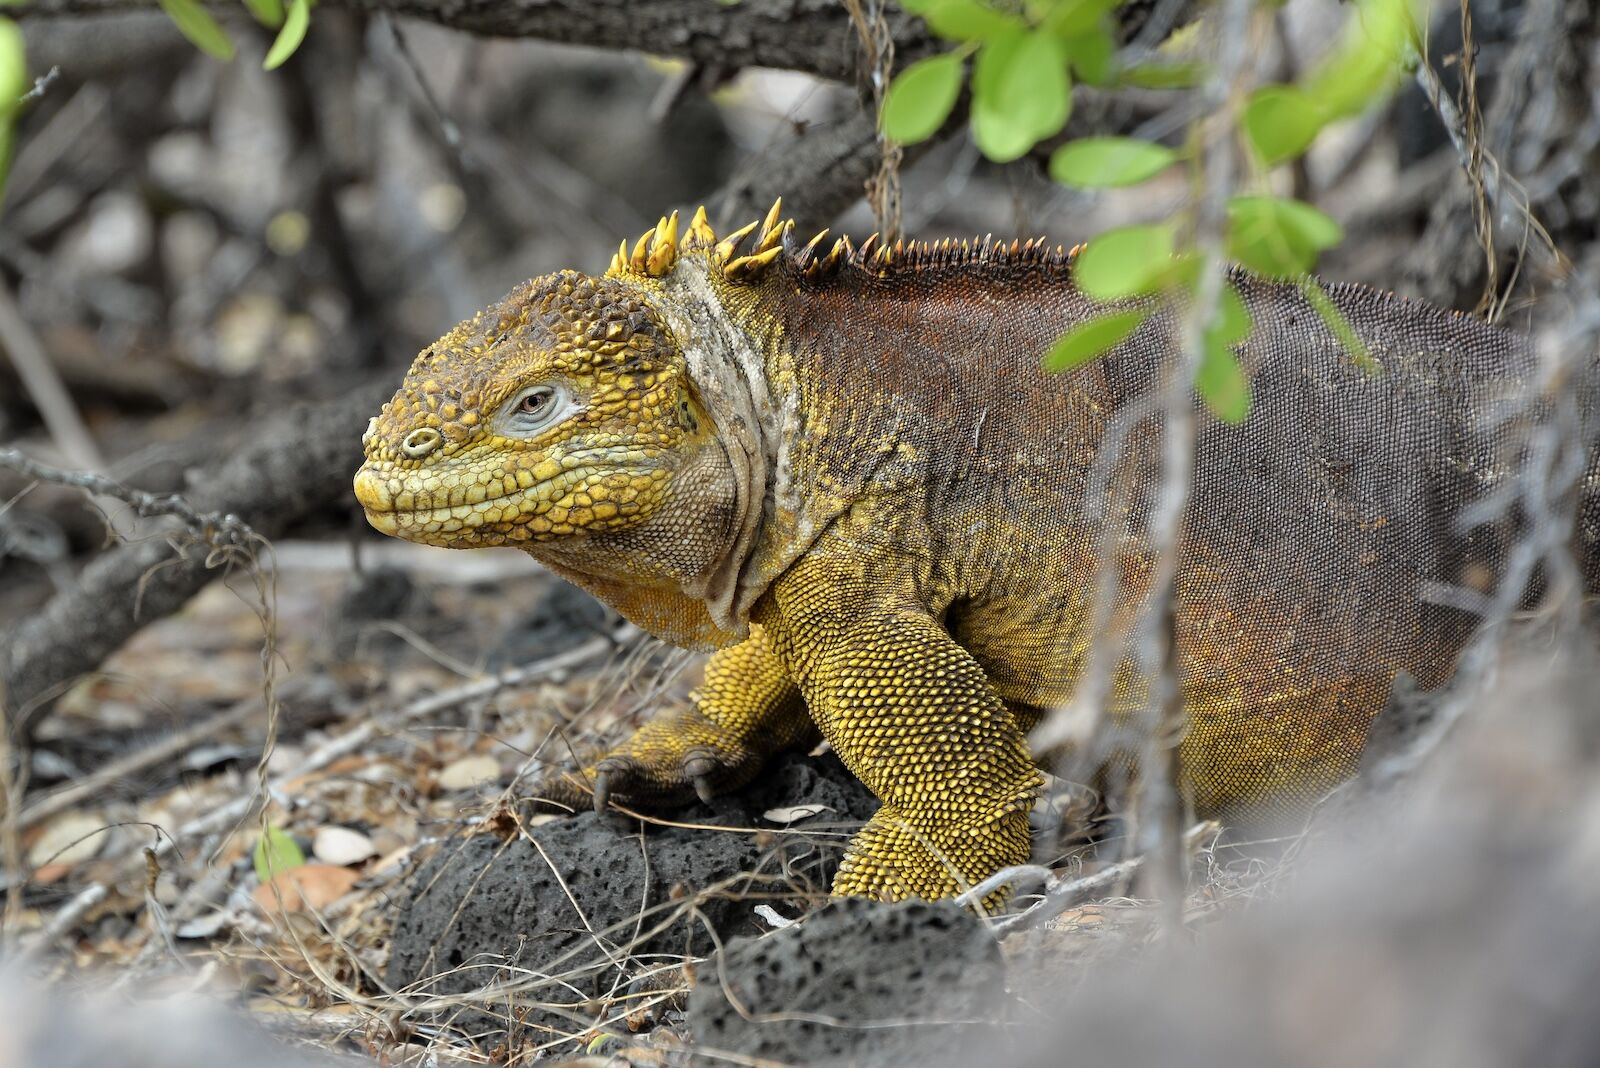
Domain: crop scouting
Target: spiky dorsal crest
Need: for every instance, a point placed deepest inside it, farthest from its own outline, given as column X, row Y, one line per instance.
column 655, row 253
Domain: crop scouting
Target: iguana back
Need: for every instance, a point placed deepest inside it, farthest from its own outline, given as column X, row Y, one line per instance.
column 1326, row 544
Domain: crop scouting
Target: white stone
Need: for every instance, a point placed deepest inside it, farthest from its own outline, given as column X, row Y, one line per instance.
column 341, row 846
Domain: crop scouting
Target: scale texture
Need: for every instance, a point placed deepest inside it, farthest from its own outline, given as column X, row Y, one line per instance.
column 845, row 471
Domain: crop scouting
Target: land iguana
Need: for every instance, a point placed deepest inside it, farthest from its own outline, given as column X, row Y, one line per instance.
column 844, row 471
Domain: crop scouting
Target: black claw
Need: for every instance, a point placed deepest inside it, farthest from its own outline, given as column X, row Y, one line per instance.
column 602, row 790
column 697, row 769
column 702, row 788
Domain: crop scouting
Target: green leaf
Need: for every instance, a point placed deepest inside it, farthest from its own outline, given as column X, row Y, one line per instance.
column 267, row 12
column 13, row 66
column 920, row 98
column 196, row 24
column 1020, row 93
column 1281, row 121
column 997, row 135
column 1318, row 298
column 1164, row 75
column 1223, row 385
column 1377, row 45
column 1220, row 379
column 275, row 852
column 965, row 20
column 1099, row 162
column 289, row 38
column 1092, row 55
column 1069, row 18
column 1278, row 237
column 1128, row 262
column 1092, row 337
column 1231, row 323
column 7, row 134
column 13, row 87
column 600, row 1042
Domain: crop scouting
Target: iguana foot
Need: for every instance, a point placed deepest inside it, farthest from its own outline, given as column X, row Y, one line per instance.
column 746, row 710
column 668, row 761
column 894, row 857
column 674, row 759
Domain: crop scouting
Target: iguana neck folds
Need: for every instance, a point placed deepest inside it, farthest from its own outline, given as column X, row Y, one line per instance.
column 741, row 383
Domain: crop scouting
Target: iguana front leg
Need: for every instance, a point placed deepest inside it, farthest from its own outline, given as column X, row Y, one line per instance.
column 912, row 714
column 746, row 710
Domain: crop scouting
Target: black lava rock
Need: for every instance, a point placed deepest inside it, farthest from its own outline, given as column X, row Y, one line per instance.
column 535, row 934
column 856, row 983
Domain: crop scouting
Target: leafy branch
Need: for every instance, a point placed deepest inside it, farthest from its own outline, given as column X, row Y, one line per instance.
column 1024, row 63
column 206, row 34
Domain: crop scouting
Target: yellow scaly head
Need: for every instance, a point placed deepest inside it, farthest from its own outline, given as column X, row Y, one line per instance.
column 563, row 412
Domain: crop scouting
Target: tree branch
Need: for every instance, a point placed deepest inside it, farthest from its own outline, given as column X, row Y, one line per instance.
column 813, row 36
column 296, row 462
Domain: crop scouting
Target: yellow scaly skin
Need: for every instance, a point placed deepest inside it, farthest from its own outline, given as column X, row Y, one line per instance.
column 846, row 474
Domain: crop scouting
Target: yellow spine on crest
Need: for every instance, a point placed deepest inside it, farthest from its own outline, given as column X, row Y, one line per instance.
column 700, row 235
column 664, row 253
column 636, row 259
column 729, row 245
column 769, row 226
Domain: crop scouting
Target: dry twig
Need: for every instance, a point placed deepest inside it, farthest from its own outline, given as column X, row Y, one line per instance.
column 1062, row 894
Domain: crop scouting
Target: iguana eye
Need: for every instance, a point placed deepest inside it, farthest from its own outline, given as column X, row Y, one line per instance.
column 534, row 401
column 536, row 409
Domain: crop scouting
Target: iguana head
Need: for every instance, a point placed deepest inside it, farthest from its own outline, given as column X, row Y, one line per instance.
column 603, row 424
column 562, row 420
column 564, row 411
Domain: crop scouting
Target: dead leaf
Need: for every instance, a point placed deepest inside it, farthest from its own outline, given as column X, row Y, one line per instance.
column 69, row 840
column 468, row 772
column 45, row 874
column 309, row 886
column 794, row 812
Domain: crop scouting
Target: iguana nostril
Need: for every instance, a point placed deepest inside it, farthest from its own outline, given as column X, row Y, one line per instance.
column 421, row 442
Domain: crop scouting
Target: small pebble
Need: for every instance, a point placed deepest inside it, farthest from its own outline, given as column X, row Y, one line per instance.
column 342, row 846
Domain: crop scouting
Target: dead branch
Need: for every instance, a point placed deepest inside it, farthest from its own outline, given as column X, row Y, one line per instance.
column 1062, row 894
column 813, row 36
column 295, row 463
column 216, row 530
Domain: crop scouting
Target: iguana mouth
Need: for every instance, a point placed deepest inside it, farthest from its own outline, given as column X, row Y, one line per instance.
column 389, row 494
column 376, row 498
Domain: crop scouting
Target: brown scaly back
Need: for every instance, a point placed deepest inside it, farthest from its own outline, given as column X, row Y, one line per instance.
column 656, row 252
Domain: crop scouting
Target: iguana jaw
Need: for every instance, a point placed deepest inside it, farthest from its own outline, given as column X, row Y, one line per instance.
column 458, row 505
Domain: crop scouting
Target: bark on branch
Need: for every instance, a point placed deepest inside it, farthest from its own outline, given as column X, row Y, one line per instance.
column 814, row 36
column 297, row 462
